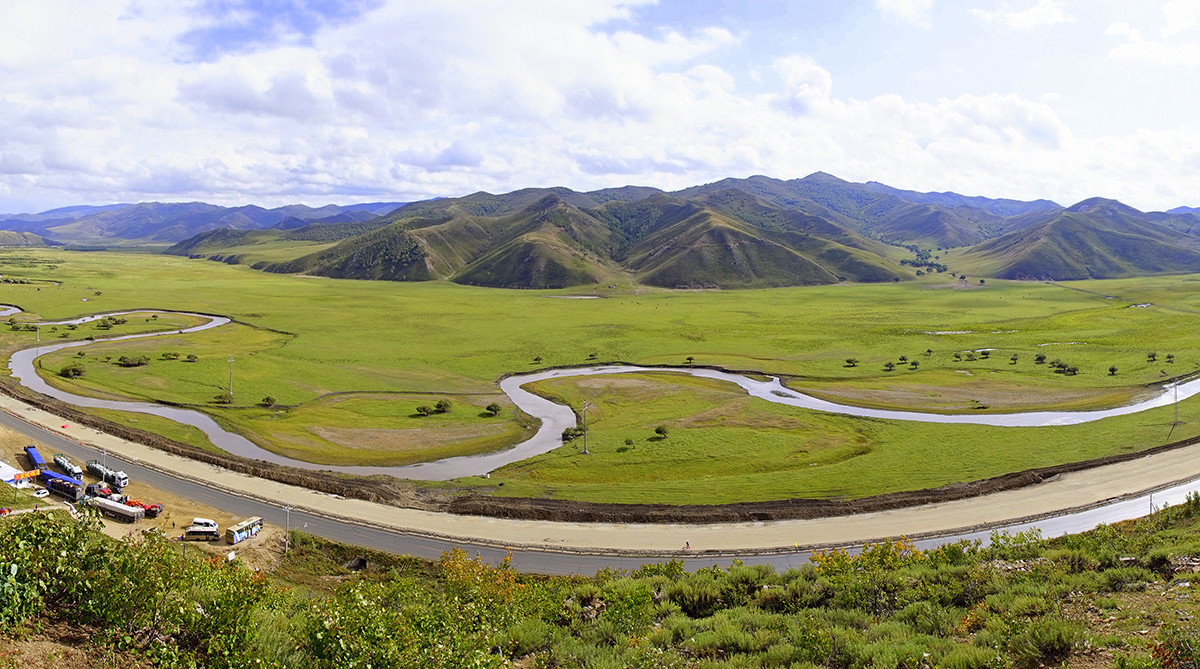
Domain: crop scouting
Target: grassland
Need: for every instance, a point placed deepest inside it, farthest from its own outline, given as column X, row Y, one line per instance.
column 724, row 446
column 302, row 339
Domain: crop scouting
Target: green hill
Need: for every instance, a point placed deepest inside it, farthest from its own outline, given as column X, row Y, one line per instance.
column 9, row 238
column 1095, row 239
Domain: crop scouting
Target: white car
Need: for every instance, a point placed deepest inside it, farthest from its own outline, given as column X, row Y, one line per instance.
column 41, row 492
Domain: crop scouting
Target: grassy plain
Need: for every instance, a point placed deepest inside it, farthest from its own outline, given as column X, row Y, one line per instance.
column 304, row 338
column 725, row 446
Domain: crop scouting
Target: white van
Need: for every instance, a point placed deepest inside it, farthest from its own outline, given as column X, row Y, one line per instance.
column 204, row 522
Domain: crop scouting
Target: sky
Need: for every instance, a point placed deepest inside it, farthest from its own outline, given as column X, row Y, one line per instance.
column 273, row 102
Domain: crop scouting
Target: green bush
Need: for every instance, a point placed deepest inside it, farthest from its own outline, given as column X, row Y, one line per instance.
column 524, row 637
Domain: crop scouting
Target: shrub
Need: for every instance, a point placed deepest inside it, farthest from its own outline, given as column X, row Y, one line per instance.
column 72, row 371
column 133, row 360
column 1045, row 641
column 425, row 410
column 527, row 636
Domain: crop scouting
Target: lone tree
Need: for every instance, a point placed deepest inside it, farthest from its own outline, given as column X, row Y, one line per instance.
column 662, row 431
column 1151, row 356
column 914, row 364
column 690, row 359
column 223, row 398
column 537, row 359
column 889, row 366
column 443, row 406
column 928, row 352
column 1170, row 358
column 1013, row 359
column 72, row 371
column 1112, row 371
column 493, row 408
column 192, row 357
column 133, row 360
column 852, row 362
column 904, row 358
column 1039, row 359
column 267, row 401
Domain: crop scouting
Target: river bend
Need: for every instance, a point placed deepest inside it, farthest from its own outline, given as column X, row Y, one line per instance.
column 554, row 417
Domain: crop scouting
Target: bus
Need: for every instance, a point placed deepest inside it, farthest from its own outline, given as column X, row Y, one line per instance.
column 243, row 530
column 197, row 533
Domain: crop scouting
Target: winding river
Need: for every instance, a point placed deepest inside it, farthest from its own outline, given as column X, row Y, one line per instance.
column 554, row 417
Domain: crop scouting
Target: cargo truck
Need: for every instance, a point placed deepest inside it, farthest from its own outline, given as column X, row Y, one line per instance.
column 117, row 510
column 69, row 468
column 107, row 475
column 34, row 457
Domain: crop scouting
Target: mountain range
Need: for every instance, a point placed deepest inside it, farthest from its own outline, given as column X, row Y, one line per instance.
column 733, row 233
column 157, row 222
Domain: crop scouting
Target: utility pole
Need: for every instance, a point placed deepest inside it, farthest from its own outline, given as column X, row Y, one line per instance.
column 586, row 406
column 231, row 375
column 287, row 527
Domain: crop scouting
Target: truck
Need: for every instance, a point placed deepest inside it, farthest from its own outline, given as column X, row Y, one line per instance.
column 69, row 488
column 117, row 510
column 69, row 468
column 110, row 476
column 63, row 487
column 153, row 510
column 34, row 457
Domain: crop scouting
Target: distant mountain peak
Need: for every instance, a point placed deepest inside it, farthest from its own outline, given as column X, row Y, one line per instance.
column 1095, row 203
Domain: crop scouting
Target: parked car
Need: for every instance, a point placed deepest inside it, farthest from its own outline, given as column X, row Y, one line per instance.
column 41, row 492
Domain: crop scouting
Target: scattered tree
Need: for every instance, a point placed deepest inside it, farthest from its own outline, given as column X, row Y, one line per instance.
column 133, row 360
column 662, row 431
column 192, row 357
column 958, row 356
column 1013, row 360
column 914, row 364
column 537, row 360
column 1112, row 370
column 223, row 398
column 493, row 408
column 170, row 355
column 592, row 355
column 1039, row 359
column 985, row 354
column 72, row 371
column 1151, row 356
column 267, row 401
column 889, row 366
column 1071, row 370
column 928, row 352
column 691, row 359
column 1170, row 358
column 571, row 433
column 628, row 441
column 81, row 354
column 904, row 358
column 443, row 406
column 424, row 409
column 852, row 362
column 982, row 281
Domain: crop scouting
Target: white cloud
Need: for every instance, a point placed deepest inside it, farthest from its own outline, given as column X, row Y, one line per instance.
column 1180, row 15
column 912, row 12
column 1042, row 14
column 425, row 99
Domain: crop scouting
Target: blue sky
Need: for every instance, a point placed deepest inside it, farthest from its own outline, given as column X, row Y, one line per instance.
column 315, row 101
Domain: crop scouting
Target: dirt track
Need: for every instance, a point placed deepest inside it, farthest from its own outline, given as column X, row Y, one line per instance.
column 759, row 528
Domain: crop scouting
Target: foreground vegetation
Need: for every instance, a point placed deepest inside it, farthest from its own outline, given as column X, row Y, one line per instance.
column 1119, row 596
column 346, row 365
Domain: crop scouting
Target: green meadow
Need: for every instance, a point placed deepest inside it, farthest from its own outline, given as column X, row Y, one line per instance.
column 390, row 347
